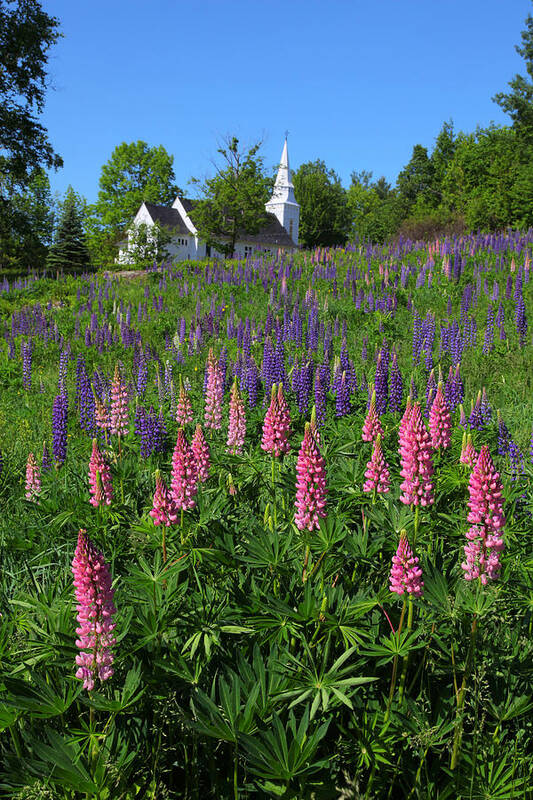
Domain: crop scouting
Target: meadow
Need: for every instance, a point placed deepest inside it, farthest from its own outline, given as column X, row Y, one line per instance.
column 266, row 527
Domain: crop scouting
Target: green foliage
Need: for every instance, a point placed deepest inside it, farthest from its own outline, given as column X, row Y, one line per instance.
column 324, row 216
column 134, row 173
column 233, row 202
column 69, row 250
column 147, row 244
column 27, row 224
column 518, row 102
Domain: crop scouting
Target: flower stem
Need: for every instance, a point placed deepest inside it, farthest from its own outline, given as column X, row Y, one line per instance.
column 417, row 514
column 406, row 658
column 460, row 696
column 395, row 666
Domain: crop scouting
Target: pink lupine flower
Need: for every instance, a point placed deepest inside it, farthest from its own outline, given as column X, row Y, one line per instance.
column 469, row 454
column 311, row 488
column 372, row 424
column 377, row 471
column 402, row 427
column 405, row 574
column 276, row 425
column 485, row 541
column 417, row 466
column 184, row 483
column 440, row 423
column 184, row 407
column 101, row 414
column 95, row 607
column 200, row 449
column 119, row 405
column 100, row 484
column 486, row 501
column 237, row 421
column 213, row 395
column 33, row 479
column 164, row 509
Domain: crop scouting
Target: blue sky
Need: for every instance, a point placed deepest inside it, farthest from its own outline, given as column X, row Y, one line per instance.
column 356, row 83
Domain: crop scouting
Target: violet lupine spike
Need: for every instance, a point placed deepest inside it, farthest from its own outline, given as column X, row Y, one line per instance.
column 119, row 405
column 46, row 462
column 100, row 484
column 164, row 509
column 184, row 484
column 311, row 490
column 184, row 412
column 372, row 425
column 417, row 466
column 59, row 428
column 440, row 423
column 405, row 574
column 237, row 421
column 33, row 479
column 95, row 607
column 485, row 541
column 276, row 425
column 214, row 391
column 200, row 450
column 377, row 471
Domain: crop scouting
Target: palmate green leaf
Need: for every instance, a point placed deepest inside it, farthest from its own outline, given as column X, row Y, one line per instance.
column 399, row 645
column 126, row 698
column 62, row 762
column 286, row 751
column 228, row 711
column 38, row 698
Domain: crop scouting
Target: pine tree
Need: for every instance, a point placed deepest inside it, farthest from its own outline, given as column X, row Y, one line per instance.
column 69, row 250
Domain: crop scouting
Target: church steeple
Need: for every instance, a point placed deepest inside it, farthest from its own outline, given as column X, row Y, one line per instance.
column 283, row 202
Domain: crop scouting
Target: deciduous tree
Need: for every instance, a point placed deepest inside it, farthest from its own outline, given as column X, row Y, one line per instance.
column 324, row 215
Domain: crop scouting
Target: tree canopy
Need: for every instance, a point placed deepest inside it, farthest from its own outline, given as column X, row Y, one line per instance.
column 69, row 250
column 233, row 201
column 518, row 102
column 324, row 215
column 135, row 173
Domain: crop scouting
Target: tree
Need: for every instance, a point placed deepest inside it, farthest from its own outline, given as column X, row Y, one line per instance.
column 416, row 181
column 27, row 225
column 147, row 244
column 518, row 103
column 373, row 208
column 26, row 35
column 234, row 199
column 324, row 215
column 135, row 173
column 69, row 250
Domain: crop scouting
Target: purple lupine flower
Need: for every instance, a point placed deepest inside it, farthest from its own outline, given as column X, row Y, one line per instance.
column 488, row 343
column 395, row 386
column 320, row 399
column 475, row 420
column 46, row 461
column 27, row 352
column 343, row 405
column 59, row 428
column 486, row 410
column 381, row 382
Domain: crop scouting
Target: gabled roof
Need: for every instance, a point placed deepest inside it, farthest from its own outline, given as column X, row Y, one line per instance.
column 273, row 233
column 168, row 217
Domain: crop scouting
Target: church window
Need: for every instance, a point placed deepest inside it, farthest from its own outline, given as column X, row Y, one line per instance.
column 291, row 225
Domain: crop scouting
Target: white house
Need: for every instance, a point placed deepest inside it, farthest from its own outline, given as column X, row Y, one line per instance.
column 280, row 233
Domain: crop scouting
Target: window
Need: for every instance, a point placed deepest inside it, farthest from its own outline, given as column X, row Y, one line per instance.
column 291, row 225
column 248, row 249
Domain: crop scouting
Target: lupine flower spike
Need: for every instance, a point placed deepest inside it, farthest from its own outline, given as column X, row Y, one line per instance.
column 440, row 421
column 372, row 424
column 311, row 488
column 237, row 421
column 184, row 407
column 184, row 473
column 33, row 479
column 95, row 607
column 277, row 425
column 485, row 541
column 164, row 509
column 200, row 449
column 100, row 484
column 417, row 466
column 469, row 454
column 119, row 405
column 213, row 395
column 405, row 574
column 377, row 471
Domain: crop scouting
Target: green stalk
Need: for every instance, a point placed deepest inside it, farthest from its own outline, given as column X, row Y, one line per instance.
column 236, row 773
column 406, row 658
column 417, row 514
column 458, row 735
column 394, row 667
column 274, row 509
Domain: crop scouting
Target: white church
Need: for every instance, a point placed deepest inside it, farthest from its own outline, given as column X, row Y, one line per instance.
column 279, row 234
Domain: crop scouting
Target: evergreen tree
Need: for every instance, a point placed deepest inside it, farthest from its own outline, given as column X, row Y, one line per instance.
column 69, row 250
column 518, row 102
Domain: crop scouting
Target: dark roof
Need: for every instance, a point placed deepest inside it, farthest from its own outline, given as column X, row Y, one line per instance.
column 188, row 205
column 169, row 217
column 273, row 233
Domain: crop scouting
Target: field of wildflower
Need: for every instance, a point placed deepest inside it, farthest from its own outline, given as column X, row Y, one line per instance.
column 266, row 527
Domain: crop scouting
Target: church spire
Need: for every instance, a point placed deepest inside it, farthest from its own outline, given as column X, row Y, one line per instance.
column 283, row 202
